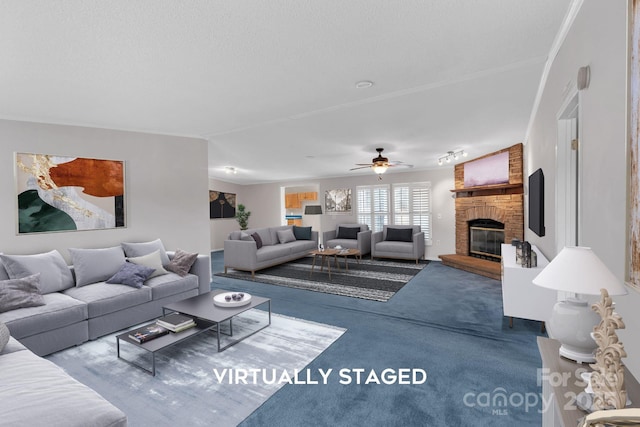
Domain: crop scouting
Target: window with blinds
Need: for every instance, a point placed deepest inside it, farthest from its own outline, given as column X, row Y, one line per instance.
column 412, row 206
column 403, row 204
column 373, row 206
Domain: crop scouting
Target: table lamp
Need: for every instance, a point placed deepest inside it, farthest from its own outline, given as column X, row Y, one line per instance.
column 577, row 270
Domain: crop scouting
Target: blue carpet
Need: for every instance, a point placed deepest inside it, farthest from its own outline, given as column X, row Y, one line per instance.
column 185, row 390
column 445, row 321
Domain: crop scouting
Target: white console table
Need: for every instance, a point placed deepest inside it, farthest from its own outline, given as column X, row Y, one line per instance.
column 520, row 297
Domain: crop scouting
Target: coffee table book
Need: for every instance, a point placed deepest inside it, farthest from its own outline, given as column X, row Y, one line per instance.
column 147, row 333
column 176, row 322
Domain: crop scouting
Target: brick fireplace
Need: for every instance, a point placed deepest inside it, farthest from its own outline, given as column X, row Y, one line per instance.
column 503, row 203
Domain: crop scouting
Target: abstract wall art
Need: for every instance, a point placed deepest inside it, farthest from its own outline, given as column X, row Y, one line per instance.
column 222, row 205
column 489, row 170
column 57, row 193
column 337, row 201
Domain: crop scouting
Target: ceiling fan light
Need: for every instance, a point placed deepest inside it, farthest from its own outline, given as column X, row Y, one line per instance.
column 379, row 168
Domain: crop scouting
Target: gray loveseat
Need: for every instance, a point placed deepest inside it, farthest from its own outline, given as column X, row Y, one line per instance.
column 80, row 306
column 37, row 393
column 241, row 251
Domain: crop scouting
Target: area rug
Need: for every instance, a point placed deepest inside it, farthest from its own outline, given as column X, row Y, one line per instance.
column 376, row 280
column 194, row 385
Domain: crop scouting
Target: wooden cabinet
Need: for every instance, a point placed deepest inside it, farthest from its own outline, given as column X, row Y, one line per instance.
column 294, row 200
column 520, row 297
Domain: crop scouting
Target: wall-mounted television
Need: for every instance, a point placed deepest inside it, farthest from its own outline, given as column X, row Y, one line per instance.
column 536, row 202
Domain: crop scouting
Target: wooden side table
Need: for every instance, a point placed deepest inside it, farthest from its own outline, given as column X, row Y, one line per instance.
column 350, row 252
column 325, row 254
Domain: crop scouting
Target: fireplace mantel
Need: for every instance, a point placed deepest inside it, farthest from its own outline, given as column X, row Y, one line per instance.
column 489, row 190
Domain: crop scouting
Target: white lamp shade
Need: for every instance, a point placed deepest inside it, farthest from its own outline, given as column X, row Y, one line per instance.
column 578, row 270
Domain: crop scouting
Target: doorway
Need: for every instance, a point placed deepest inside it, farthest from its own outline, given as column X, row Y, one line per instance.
column 568, row 175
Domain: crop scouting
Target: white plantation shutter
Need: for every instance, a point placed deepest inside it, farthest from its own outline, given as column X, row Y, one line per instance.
column 363, row 200
column 412, row 206
column 401, row 205
column 373, row 206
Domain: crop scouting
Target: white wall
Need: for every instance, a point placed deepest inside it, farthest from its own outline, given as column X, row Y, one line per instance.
column 264, row 202
column 165, row 190
column 597, row 38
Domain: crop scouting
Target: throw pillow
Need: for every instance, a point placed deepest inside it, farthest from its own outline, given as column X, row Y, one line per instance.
column 286, row 236
column 95, row 265
column 3, row 272
column 55, row 275
column 20, row 293
column 140, row 249
column 348, row 232
column 4, row 336
column 182, row 262
column 399, row 234
column 131, row 274
column 246, row 237
column 302, row 233
column 151, row 260
column 258, row 239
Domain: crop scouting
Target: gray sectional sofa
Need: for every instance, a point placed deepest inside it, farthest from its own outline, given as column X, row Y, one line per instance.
column 37, row 393
column 258, row 248
column 46, row 306
column 78, row 305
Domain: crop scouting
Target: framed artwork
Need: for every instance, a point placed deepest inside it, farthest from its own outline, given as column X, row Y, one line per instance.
column 221, row 205
column 57, row 193
column 487, row 171
column 337, row 201
column 633, row 245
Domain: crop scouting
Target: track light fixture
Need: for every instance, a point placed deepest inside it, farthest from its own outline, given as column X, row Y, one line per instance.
column 451, row 155
column 230, row 169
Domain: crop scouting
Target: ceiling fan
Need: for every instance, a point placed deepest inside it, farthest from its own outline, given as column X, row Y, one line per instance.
column 380, row 164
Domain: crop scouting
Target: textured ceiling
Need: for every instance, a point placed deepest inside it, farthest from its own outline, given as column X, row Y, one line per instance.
column 271, row 84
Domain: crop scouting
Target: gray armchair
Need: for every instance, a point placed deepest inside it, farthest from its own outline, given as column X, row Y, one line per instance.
column 398, row 241
column 349, row 236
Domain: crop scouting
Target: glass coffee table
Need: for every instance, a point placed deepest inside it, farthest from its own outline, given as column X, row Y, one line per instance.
column 207, row 316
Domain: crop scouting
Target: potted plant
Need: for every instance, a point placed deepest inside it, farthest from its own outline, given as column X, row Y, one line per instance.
column 242, row 216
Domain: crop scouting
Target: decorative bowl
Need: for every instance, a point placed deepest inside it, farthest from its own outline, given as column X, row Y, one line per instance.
column 241, row 298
